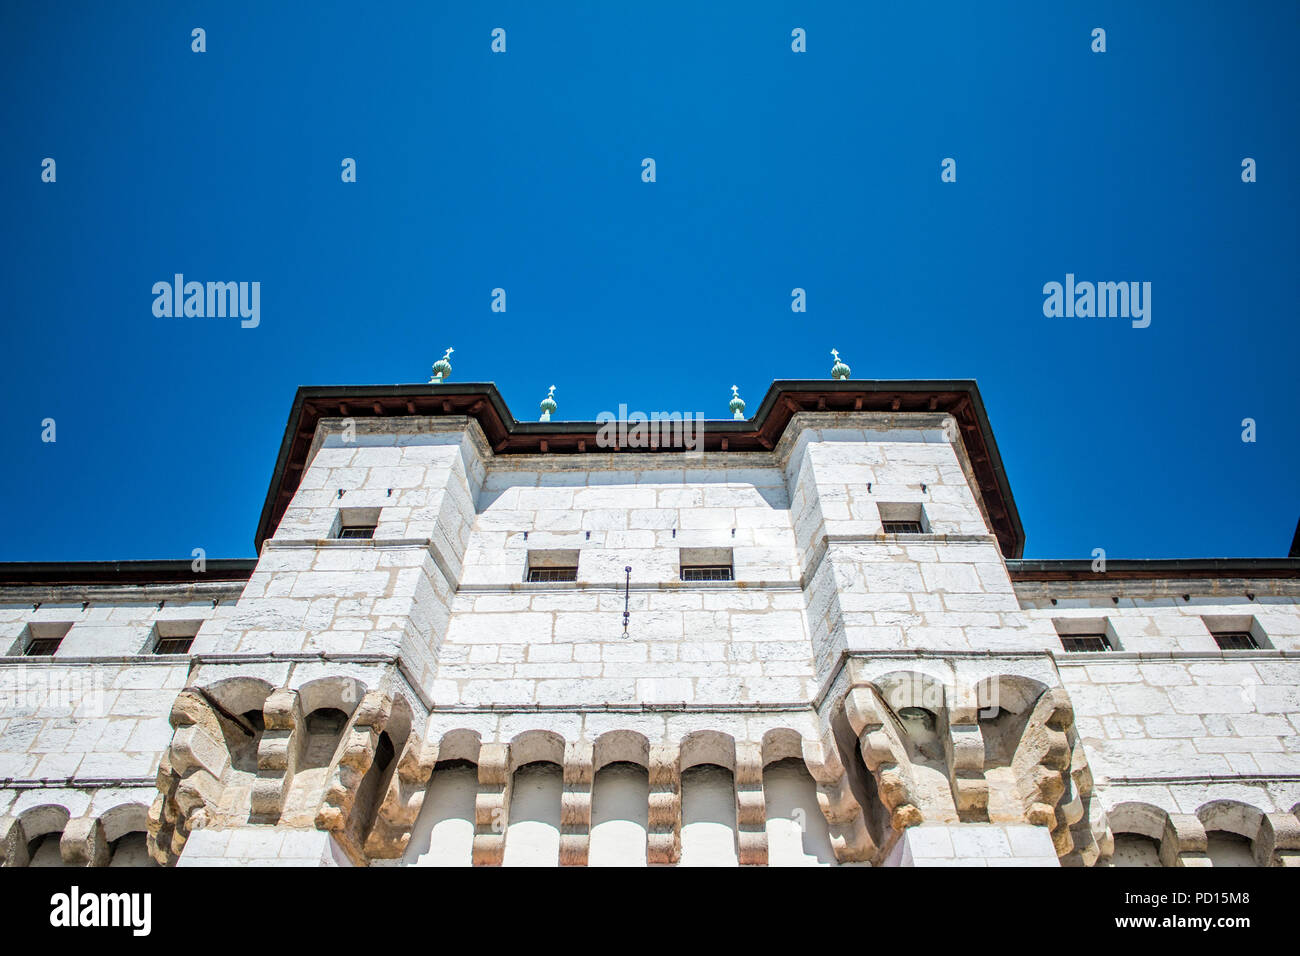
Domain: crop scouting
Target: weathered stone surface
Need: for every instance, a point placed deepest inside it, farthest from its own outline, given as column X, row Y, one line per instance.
column 922, row 704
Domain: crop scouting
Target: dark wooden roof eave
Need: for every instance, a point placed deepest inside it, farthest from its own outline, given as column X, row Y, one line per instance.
column 117, row 573
column 1156, row 569
column 482, row 401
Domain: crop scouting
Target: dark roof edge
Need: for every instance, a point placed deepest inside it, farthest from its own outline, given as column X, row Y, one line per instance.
column 57, row 573
column 1040, row 569
column 785, row 397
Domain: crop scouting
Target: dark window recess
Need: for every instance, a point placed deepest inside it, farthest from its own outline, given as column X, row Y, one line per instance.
column 173, row 645
column 1236, row 641
column 720, row 572
column 543, row 575
column 42, row 646
column 1086, row 642
column 358, row 531
column 902, row 527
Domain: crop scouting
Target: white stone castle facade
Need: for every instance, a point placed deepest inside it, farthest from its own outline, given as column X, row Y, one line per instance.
column 832, row 654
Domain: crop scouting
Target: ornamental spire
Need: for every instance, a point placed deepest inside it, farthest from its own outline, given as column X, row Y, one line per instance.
column 839, row 370
column 442, row 368
column 737, row 404
column 548, row 405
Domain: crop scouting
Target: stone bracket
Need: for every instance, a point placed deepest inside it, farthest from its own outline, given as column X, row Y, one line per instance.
column 664, row 836
column 492, row 804
column 352, row 759
column 83, row 843
column 884, row 754
column 402, row 800
column 850, row 839
column 751, row 811
column 278, row 753
column 575, row 803
column 13, row 842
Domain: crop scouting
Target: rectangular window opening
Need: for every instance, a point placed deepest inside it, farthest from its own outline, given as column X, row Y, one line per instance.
column 356, row 524
column 1237, row 632
column 552, row 566
column 903, row 517
column 1086, row 642
column 42, row 638
column 1086, row 635
column 1236, row 641
column 174, row 637
column 706, row 564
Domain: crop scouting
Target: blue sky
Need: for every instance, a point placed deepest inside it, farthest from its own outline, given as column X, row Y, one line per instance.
column 775, row 170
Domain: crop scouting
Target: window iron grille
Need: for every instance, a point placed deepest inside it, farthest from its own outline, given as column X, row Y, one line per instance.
column 1086, row 642
column 1236, row 641
column 173, row 645
column 719, row 572
column 902, row 527
column 358, row 531
column 546, row 575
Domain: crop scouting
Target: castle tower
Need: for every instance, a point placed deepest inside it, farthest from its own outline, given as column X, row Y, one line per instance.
column 801, row 638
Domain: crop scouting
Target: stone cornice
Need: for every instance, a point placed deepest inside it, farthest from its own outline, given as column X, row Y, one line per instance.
column 77, row 783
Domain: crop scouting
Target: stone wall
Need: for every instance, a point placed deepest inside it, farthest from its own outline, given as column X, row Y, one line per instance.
column 1175, row 727
column 852, row 696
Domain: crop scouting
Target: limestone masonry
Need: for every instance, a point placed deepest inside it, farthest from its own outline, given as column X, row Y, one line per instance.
column 833, row 654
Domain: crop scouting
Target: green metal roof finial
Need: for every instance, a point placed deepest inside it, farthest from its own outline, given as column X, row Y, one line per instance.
column 737, row 404
column 548, row 405
column 839, row 370
column 442, row 369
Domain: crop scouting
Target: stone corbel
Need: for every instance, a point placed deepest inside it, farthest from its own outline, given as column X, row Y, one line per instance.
column 165, row 834
column 1278, row 842
column 83, row 843
column 190, row 775
column 353, row 758
column 1184, row 842
column 884, row 754
column 1100, row 842
column 1042, row 759
column 402, row 801
column 751, row 811
column 199, row 756
column 575, row 803
column 850, row 839
column 278, row 753
column 965, row 746
column 664, row 836
column 1089, row 830
column 13, row 842
column 492, row 804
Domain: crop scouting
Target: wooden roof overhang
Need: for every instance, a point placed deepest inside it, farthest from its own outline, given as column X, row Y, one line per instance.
column 507, row 436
